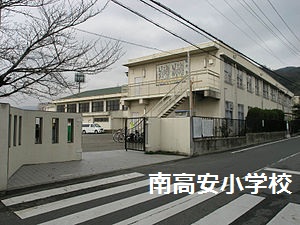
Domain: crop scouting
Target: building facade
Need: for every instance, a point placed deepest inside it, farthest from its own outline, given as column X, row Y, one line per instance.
column 222, row 84
column 100, row 106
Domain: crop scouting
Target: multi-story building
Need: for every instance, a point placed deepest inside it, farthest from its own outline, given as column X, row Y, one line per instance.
column 97, row 106
column 223, row 83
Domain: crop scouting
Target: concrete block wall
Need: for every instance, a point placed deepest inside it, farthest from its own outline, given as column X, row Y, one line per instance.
column 168, row 135
column 18, row 139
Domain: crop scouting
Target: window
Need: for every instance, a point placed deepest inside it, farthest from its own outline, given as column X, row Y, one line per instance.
column 228, row 72
column 228, row 110
column 101, row 120
column 60, row 108
column 239, row 79
column 84, row 107
column 71, row 108
column 15, row 130
column 256, row 86
column 240, row 111
column 9, row 130
column 265, row 90
column 38, row 130
column 113, row 105
column 249, row 83
column 20, row 130
column 273, row 94
column 70, row 130
column 55, row 130
column 98, row 106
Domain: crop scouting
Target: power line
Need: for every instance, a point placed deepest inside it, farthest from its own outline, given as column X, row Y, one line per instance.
column 221, row 42
column 163, row 28
column 284, row 21
column 225, row 45
column 247, row 24
column 262, row 12
column 255, row 15
column 119, row 40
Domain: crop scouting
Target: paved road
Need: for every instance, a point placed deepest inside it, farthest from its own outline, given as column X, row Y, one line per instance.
column 123, row 197
column 99, row 142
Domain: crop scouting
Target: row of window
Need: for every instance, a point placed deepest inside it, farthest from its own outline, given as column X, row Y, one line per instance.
column 229, row 111
column 97, row 106
column 268, row 91
column 15, row 125
column 55, row 130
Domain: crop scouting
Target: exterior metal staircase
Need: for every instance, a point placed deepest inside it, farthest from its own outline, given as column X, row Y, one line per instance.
column 176, row 96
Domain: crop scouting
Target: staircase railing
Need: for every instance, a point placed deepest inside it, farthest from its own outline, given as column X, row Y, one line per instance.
column 170, row 98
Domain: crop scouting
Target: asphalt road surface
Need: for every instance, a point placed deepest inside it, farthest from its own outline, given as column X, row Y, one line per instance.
column 258, row 185
column 100, row 142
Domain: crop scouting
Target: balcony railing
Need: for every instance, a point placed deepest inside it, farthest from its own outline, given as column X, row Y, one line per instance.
column 201, row 80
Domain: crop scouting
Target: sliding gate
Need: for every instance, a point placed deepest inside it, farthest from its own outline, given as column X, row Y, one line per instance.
column 135, row 133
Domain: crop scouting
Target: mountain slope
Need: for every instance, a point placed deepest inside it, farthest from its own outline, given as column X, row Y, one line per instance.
column 289, row 77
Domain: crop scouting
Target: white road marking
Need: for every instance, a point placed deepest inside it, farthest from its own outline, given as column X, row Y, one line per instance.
column 40, row 209
column 102, row 210
column 289, row 215
column 160, row 213
column 67, row 189
column 282, row 171
column 261, row 145
column 231, row 211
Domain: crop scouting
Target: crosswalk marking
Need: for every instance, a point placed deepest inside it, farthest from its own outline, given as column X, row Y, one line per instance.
column 231, row 211
column 67, row 189
column 40, row 209
column 102, row 210
column 226, row 214
column 289, row 215
column 160, row 213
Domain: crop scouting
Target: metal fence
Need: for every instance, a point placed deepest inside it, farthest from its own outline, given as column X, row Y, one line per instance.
column 210, row 127
column 205, row 127
column 135, row 133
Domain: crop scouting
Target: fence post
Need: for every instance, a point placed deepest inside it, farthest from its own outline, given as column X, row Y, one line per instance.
column 288, row 135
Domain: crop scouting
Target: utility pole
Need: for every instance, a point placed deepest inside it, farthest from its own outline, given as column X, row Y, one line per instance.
column 190, row 82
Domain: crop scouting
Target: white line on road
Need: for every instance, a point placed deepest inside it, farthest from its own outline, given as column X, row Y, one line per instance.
column 231, row 211
column 67, row 189
column 40, row 209
column 160, row 213
column 290, row 215
column 281, row 170
column 102, row 210
column 265, row 144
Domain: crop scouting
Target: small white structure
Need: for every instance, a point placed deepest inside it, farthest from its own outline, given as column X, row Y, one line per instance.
column 32, row 137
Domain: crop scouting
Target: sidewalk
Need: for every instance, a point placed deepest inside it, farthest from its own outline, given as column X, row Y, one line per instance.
column 92, row 163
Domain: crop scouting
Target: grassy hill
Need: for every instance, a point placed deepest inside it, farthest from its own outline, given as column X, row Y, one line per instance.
column 289, row 77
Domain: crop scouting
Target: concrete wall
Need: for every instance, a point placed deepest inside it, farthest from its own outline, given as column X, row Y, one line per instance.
column 4, row 123
column 18, row 131
column 169, row 135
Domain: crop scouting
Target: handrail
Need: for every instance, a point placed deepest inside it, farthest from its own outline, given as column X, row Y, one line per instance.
column 167, row 95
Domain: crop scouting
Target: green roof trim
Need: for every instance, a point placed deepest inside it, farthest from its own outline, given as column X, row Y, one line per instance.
column 104, row 91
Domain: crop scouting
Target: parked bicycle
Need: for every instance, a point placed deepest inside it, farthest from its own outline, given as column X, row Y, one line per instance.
column 119, row 136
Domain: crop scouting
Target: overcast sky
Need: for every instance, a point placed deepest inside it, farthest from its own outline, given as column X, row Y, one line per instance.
column 269, row 42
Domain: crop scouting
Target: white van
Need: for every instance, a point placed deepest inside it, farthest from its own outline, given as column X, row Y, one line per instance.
column 92, row 128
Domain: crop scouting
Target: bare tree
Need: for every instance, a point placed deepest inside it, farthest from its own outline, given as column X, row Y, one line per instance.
column 39, row 47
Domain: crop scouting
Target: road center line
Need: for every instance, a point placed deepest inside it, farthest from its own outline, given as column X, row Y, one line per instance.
column 265, row 144
column 282, row 170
